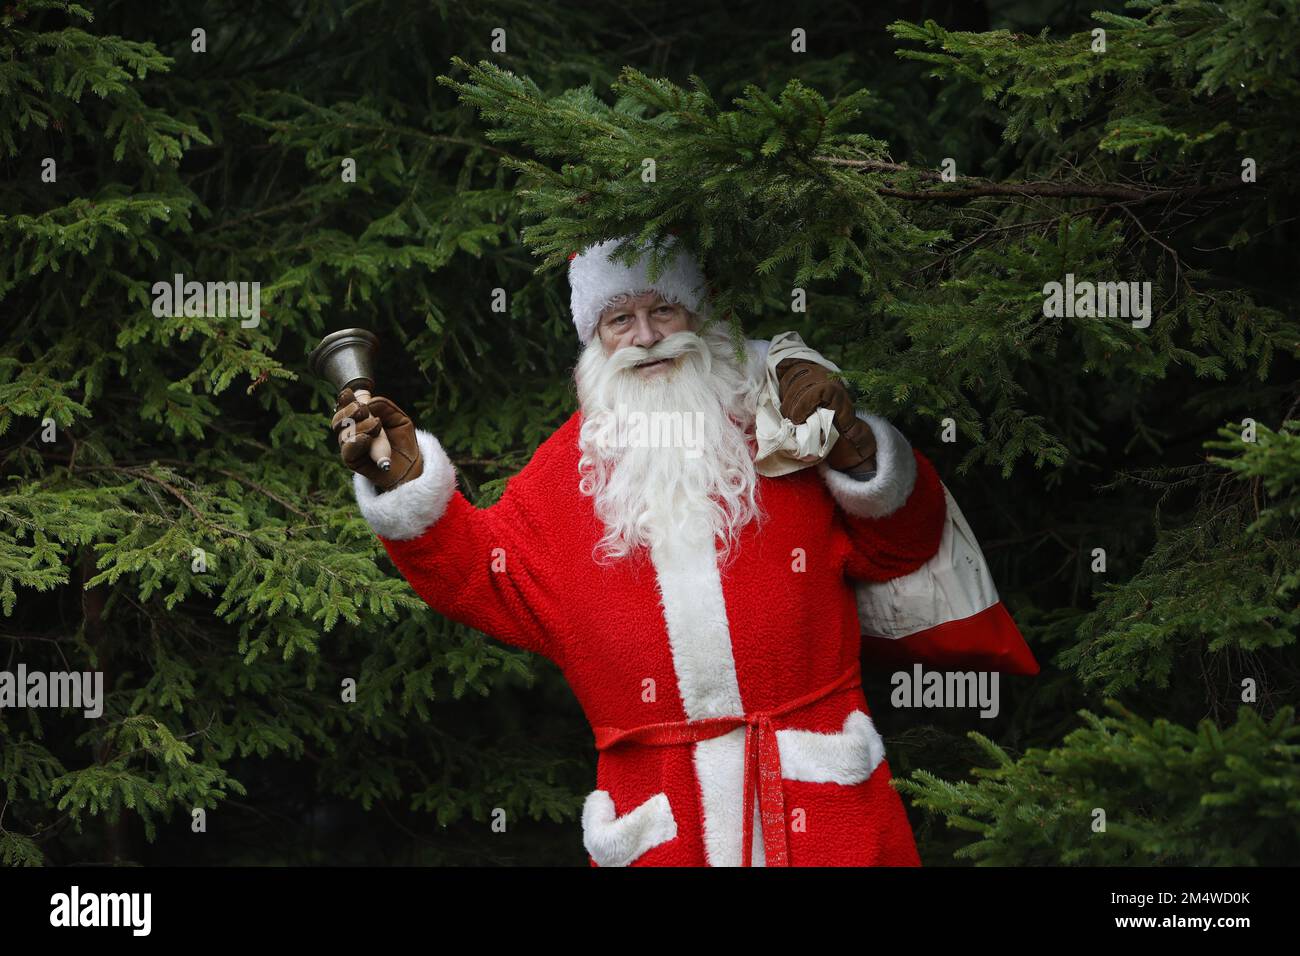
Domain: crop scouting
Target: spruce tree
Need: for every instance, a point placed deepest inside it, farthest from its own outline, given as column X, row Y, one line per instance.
column 174, row 515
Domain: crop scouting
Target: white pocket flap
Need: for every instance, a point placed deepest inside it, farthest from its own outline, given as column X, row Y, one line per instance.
column 847, row 757
column 617, row 841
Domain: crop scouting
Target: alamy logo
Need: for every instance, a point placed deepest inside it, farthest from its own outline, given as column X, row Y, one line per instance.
column 1087, row 300
column 25, row 688
column 75, row 908
column 640, row 429
column 221, row 300
column 922, row 688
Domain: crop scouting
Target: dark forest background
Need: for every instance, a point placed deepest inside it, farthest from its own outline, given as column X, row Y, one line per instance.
column 127, row 440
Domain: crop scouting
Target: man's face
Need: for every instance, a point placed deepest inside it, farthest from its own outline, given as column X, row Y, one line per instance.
column 642, row 320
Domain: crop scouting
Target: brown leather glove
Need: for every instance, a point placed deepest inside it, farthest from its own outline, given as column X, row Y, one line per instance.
column 356, row 425
column 806, row 386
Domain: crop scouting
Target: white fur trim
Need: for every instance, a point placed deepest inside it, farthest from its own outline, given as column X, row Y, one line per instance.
column 405, row 512
column 848, row 757
column 617, row 841
column 698, row 633
column 893, row 482
column 756, row 351
column 699, row 638
column 720, row 769
column 594, row 279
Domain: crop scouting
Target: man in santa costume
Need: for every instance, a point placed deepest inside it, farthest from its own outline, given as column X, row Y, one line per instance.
column 704, row 614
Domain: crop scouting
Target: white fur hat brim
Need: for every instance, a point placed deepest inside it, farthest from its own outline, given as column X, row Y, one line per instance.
column 594, row 279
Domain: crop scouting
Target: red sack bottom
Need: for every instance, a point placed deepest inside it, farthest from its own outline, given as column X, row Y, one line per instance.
column 986, row 641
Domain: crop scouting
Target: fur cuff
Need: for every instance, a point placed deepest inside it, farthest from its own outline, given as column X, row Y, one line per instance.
column 892, row 484
column 405, row 512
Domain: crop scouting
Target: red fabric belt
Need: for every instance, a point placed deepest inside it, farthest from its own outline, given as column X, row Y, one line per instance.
column 762, row 758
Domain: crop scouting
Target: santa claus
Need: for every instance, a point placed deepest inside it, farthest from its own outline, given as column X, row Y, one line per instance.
column 705, row 615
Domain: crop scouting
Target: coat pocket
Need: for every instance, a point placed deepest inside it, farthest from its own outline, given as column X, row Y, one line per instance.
column 614, row 840
column 849, row 756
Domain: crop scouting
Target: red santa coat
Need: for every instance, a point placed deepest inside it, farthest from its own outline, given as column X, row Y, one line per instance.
column 668, row 637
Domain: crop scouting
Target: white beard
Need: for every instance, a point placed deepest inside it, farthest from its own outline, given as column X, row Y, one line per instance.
column 697, row 480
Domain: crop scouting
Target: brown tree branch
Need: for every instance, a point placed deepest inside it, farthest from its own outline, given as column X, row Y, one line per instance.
column 972, row 187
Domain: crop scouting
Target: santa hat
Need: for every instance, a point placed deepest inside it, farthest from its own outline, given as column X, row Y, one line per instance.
column 595, row 279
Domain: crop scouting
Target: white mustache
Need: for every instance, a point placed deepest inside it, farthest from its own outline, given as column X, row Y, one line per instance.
column 677, row 344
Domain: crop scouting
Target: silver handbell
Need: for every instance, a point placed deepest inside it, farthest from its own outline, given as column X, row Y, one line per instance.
column 346, row 359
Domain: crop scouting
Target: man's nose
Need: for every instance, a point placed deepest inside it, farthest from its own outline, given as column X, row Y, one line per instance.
column 644, row 334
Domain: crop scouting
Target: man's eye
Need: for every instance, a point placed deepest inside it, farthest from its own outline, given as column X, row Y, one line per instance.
column 665, row 308
column 620, row 319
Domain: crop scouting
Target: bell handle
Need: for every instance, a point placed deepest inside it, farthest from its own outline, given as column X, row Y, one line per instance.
column 381, row 450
